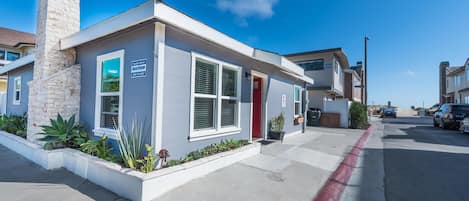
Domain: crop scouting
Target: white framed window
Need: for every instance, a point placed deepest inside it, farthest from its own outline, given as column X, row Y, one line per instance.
column 17, row 90
column 297, row 95
column 109, row 93
column 215, row 98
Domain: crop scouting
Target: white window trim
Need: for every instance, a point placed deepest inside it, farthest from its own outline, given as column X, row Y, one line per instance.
column 294, row 101
column 16, row 102
column 98, row 131
column 218, row 131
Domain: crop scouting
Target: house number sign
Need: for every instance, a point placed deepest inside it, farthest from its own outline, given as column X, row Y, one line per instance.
column 284, row 101
column 138, row 68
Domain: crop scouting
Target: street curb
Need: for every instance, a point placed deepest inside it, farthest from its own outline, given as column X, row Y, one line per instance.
column 335, row 185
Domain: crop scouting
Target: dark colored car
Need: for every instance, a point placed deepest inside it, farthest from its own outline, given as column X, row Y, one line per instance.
column 450, row 115
column 388, row 112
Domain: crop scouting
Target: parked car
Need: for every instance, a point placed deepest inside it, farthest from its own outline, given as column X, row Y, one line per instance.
column 464, row 125
column 388, row 112
column 450, row 115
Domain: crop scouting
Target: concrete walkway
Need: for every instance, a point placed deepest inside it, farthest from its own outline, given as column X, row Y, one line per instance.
column 294, row 170
column 22, row 180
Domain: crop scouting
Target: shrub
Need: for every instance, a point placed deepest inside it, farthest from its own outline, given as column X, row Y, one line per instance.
column 148, row 162
column 14, row 124
column 101, row 149
column 358, row 115
column 277, row 123
column 63, row 133
column 224, row 145
column 130, row 144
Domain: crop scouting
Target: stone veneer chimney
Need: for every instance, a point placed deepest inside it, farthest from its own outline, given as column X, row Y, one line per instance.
column 443, row 69
column 55, row 87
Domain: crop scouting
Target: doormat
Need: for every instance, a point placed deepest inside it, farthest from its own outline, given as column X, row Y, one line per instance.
column 266, row 142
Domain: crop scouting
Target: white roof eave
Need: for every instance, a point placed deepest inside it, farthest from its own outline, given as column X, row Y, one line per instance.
column 18, row 63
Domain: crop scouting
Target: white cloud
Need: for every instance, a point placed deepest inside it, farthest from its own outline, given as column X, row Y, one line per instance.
column 410, row 73
column 248, row 8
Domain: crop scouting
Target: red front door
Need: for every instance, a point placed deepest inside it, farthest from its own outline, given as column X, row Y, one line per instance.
column 256, row 107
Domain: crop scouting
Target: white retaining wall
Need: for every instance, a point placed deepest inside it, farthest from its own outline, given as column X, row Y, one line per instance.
column 339, row 106
column 125, row 182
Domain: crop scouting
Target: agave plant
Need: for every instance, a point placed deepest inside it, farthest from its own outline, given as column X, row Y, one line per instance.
column 131, row 144
column 63, row 133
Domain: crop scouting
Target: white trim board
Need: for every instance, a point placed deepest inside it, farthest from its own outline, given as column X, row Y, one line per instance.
column 18, row 63
column 98, row 131
column 158, row 86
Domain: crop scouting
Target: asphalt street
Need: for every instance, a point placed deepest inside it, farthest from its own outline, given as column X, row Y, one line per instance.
column 419, row 162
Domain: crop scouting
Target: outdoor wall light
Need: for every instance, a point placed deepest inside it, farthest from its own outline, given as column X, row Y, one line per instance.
column 247, row 75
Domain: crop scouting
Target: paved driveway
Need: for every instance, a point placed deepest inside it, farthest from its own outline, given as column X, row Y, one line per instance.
column 23, row 180
column 294, row 170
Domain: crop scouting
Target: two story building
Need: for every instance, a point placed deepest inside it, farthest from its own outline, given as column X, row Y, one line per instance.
column 334, row 79
column 456, row 86
column 14, row 45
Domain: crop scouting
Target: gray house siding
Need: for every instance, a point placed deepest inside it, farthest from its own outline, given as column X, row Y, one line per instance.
column 26, row 73
column 138, row 43
column 177, row 95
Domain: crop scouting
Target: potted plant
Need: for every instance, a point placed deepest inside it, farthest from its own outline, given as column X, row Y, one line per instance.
column 276, row 128
column 299, row 119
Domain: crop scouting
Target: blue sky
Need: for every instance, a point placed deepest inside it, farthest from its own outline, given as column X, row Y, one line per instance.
column 408, row 38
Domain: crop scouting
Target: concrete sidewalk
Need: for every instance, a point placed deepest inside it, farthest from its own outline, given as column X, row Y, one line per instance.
column 21, row 179
column 294, row 170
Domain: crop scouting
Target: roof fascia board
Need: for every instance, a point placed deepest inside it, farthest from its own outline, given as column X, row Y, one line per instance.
column 18, row 63
column 188, row 24
column 278, row 61
column 134, row 16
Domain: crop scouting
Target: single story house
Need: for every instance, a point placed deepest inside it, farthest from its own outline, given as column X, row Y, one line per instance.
column 190, row 84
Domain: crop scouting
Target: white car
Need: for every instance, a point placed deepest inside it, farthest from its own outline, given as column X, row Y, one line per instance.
column 464, row 125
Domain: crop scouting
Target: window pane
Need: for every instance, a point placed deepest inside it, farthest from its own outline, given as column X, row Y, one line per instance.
column 317, row 64
column 2, row 54
column 297, row 94
column 204, row 113
column 297, row 108
column 17, row 95
column 205, row 78
column 11, row 56
column 229, row 80
column 110, row 75
column 228, row 112
column 109, row 111
column 17, row 84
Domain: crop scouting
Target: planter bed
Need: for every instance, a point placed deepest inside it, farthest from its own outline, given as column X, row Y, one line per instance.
column 125, row 182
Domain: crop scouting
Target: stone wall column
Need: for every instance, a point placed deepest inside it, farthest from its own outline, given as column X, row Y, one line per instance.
column 55, row 87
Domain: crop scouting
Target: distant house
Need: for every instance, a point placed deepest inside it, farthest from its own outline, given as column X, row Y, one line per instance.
column 15, row 45
column 456, row 86
column 327, row 68
column 192, row 85
column 353, row 84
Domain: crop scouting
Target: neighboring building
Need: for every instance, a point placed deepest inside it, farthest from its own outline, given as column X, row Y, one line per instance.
column 13, row 46
column 326, row 67
column 456, row 86
column 352, row 86
column 190, row 84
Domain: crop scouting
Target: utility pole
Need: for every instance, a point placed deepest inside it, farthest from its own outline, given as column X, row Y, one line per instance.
column 366, row 69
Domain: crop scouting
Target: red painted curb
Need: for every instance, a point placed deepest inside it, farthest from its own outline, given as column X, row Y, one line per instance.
column 335, row 185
